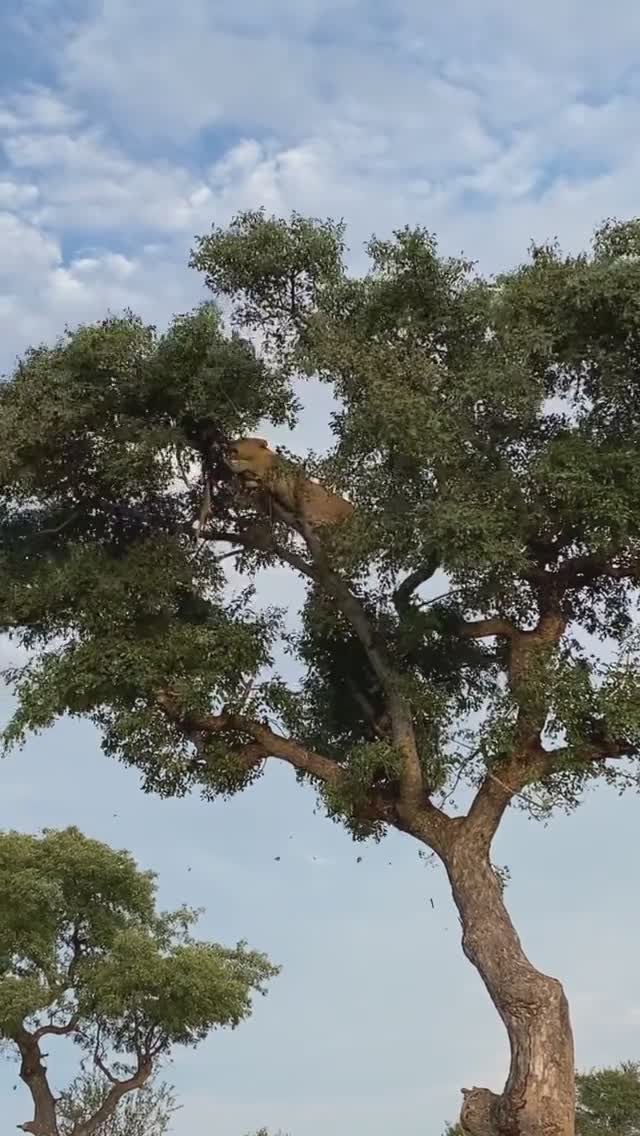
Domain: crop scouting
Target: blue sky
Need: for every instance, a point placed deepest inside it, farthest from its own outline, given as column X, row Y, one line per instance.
column 125, row 129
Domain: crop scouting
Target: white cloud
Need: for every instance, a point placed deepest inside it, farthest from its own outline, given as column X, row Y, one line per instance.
column 380, row 122
column 89, row 184
column 39, row 108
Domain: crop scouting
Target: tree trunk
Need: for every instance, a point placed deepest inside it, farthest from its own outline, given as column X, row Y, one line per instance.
column 34, row 1075
column 539, row 1097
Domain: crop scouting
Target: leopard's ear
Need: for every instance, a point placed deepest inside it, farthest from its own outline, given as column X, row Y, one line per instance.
column 263, row 443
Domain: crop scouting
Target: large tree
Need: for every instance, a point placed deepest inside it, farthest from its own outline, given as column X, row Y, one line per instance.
column 487, row 435
column 85, row 956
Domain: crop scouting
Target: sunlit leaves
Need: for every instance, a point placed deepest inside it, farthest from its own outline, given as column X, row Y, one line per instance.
column 81, row 942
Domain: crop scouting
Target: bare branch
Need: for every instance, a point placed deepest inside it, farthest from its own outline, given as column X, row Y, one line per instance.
column 61, row 527
column 227, row 555
column 104, row 1069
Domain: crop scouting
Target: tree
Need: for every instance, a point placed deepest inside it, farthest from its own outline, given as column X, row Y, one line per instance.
column 84, row 955
column 146, row 1111
column 609, row 1101
column 487, row 433
column 265, row 1132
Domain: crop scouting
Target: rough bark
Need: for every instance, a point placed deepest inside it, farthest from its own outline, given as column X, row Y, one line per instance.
column 538, row 1098
column 34, row 1075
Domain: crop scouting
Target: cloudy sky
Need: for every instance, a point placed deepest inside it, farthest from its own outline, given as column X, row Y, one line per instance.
column 126, row 128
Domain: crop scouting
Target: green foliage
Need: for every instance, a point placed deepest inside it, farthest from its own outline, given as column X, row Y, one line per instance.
column 609, row 1101
column 81, row 945
column 487, row 430
column 145, row 1112
column 98, row 568
column 277, row 269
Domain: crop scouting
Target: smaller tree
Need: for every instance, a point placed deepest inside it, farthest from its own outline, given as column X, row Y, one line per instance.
column 265, row 1132
column 609, row 1101
column 85, row 955
column 145, row 1112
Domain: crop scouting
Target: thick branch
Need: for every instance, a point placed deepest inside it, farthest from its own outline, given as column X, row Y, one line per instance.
column 268, row 742
column 529, row 760
column 57, row 1031
column 580, row 570
column 483, row 628
column 534, row 764
column 414, row 580
column 381, row 804
column 502, row 783
column 113, row 1098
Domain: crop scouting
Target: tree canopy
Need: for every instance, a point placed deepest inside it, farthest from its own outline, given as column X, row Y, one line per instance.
column 609, row 1101
column 85, row 955
column 486, row 428
column 487, row 434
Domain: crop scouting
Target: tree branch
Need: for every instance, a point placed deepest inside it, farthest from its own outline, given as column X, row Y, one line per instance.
column 57, row 1031
column 267, row 742
column 595, row 752
column 404, row 591
column 380, row 805
column 529, row 761
column 402, row 731
column 482, row 628
column 260, row 540
column 104, row 1069
column 118, row 1090
column 367, row 709
column 584, row 569
column 501, row 784
column 320, row 571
